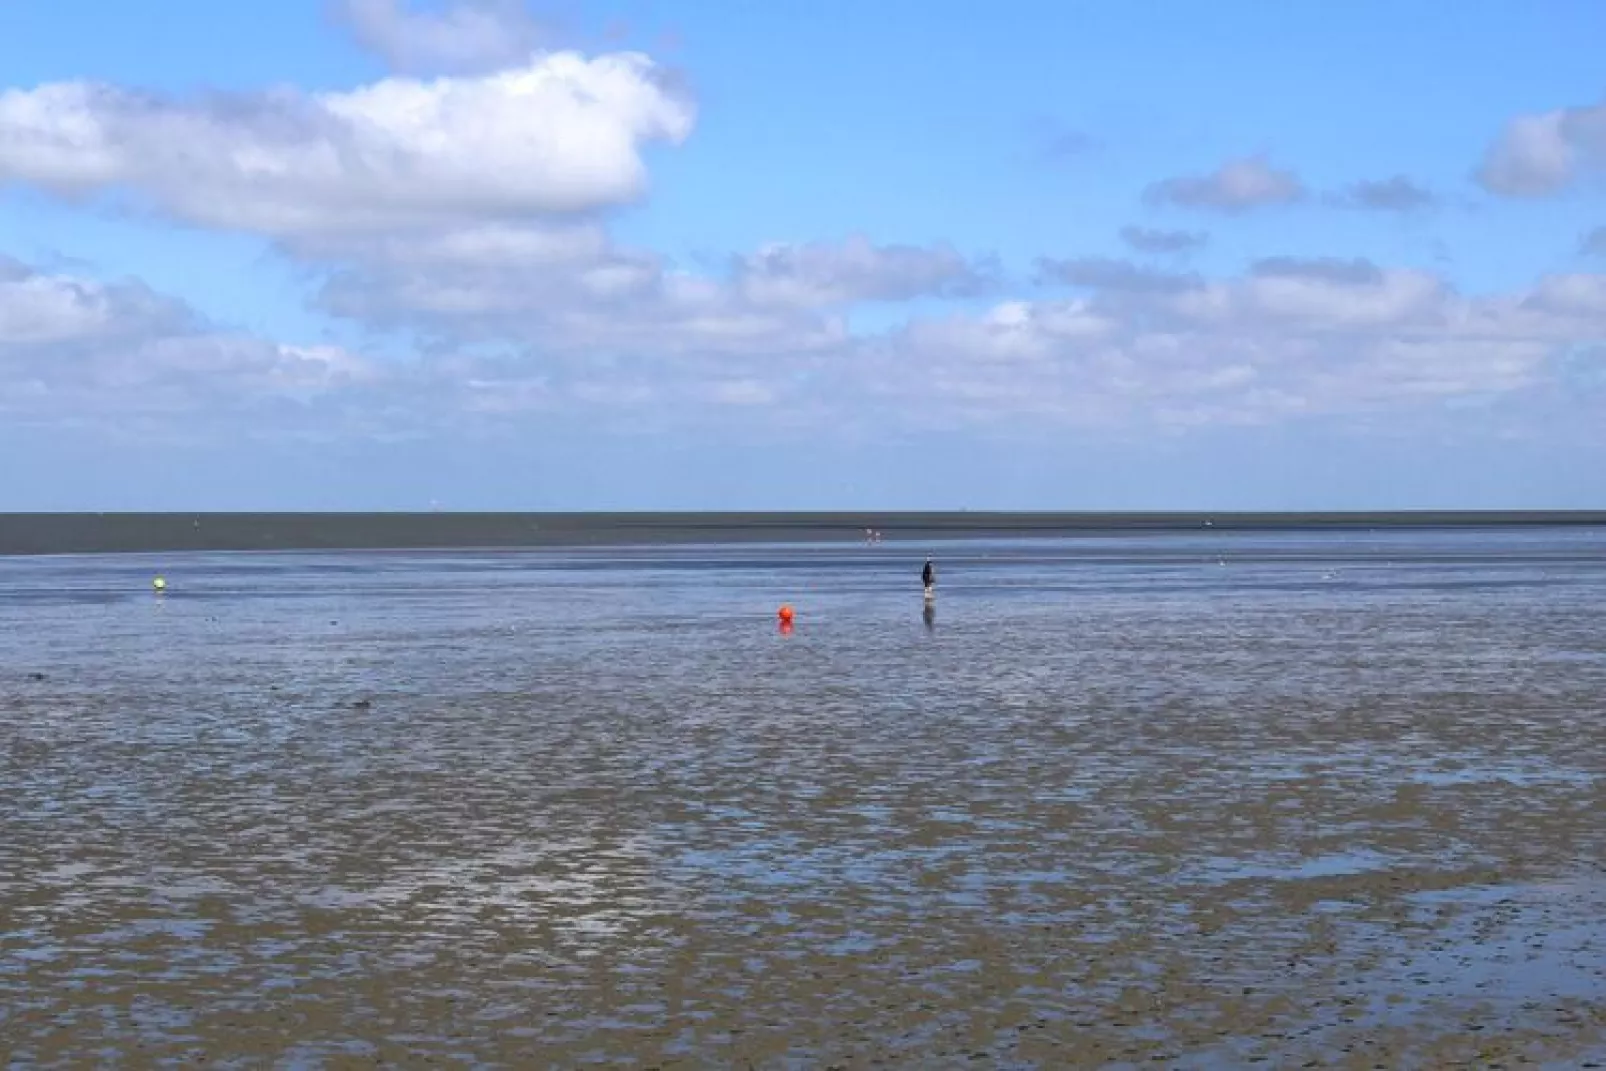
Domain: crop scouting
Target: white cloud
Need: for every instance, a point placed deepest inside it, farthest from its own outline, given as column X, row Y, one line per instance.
column 41, row 311
column 1291, row 339
column 462, row 206
column 1109, row 273
column 1236, row 186
column 1537, row 155
column 471, row 35
column 1318, row 301
column 1576, row 294
column 1396, row 194
column 74, row 348
column 571, row 293
column 567, row 294
column 466, row 210
column 823, row 274
column 742, row 392
column 560, row 134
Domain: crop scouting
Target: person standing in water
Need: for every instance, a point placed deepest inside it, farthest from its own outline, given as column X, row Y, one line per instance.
column 928, row 579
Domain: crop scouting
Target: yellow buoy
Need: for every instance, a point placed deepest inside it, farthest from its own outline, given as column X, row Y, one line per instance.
column 160, row 584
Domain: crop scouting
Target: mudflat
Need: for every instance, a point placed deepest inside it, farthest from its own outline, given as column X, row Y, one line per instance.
column 1187, row 800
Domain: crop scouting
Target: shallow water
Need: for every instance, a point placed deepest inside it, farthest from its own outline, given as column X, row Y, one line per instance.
column 1184, row 800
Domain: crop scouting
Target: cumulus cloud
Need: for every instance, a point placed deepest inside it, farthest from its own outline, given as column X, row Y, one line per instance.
column 568, row 291
column 1236, row 186
column 1288, row 339
column 1536, row 155
column 1354, row 270
column 1108, row 273
column 72, row 348
column 1396, row 194
column 470, row 211
column 560, row 134
column 822, row 274
column 39, row 311
column 1576, row 294
column 471, row 35
column 465, row 206
column 1292, row 338
column 1318, row 295
column 1149, row 240
column 578, row 294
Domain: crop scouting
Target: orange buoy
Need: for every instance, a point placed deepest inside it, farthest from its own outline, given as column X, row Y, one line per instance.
column 785, row 614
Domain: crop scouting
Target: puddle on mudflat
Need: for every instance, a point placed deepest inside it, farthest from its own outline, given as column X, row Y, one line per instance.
column 1273, row 868
column 1524, row 775
column 1509, row 943
column 1484, row 957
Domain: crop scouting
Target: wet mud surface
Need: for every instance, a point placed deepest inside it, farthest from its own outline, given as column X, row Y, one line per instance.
column 1204, row 807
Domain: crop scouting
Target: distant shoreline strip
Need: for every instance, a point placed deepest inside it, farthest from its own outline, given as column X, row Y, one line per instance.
column 135, row 533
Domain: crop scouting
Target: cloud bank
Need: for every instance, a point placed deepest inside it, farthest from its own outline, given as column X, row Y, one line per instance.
column 465, row 220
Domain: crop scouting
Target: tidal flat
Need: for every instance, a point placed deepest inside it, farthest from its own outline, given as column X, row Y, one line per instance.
column 1192, row 800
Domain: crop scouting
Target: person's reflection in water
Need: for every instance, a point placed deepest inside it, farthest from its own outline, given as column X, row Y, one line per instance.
column 928, row 614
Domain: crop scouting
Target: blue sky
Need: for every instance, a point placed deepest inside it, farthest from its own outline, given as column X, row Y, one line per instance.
column 379, row 254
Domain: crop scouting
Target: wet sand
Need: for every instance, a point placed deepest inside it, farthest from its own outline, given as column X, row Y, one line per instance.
column 527, row 812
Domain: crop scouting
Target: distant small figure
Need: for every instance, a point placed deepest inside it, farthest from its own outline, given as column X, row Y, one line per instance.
column 928, row 579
